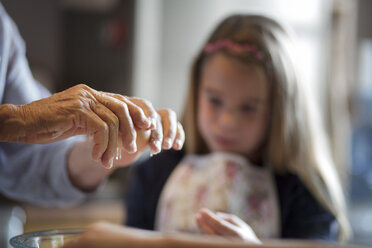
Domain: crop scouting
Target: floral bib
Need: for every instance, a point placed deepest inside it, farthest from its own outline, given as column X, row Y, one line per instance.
column 220, row 182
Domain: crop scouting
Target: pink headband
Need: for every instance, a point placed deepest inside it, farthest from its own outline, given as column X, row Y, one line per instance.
column 233, row 46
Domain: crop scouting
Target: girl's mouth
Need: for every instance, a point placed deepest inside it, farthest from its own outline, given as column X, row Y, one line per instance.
column 224, row 142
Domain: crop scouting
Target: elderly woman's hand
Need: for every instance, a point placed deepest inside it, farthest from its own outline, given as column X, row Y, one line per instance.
column 80, row 110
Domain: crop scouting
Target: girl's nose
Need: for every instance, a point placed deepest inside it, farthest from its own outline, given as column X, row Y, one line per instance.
column 228, row 120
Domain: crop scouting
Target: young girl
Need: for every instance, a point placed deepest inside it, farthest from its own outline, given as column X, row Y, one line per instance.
column 255, row 152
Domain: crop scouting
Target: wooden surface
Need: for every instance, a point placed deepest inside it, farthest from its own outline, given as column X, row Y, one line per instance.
column 79, row 217
column 38, row 218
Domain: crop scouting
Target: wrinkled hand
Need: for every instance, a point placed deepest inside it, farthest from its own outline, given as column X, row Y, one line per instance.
column 225, row 224
column 82, row 110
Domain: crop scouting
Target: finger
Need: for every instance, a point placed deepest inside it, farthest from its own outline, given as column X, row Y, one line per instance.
column 148, row 109
column 231, row 218
column 112, row 123
column 226, row 216
column 169, row 123
column 204, row 228
column 217, row 224
column 120, row 109
column 137, row 114
column 242, row 229
column 128, row 133
column 156, row 137
column 98, row 129
column 128, row 137
column 180, row 137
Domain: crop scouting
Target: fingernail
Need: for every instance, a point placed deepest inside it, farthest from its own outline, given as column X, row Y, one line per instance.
column 133, row 147
column 96, row 154
column 167, row 143
column 118, row 153
column 178, row 144
column 153, row 123
column 153, row 153
column 111, row 163
column 96, row 158
column 147, row 123
column 157, row 145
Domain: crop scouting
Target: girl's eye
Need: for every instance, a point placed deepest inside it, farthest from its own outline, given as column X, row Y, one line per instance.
column 215, row 101
column 248, row 109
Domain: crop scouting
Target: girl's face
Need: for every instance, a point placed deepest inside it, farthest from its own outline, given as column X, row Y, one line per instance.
column 233, row 107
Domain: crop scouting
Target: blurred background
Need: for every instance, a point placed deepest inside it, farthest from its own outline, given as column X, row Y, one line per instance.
column 145, row 48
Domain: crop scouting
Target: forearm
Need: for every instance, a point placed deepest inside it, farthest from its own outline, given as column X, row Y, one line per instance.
column 84, row 172
column 115, row 236
column 191, row 241
column 138, row 238
column 12, row 126
column 23, row 123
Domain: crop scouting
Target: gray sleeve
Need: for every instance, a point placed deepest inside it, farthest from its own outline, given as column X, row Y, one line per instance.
column 38, row 173
column 33, row 173
column 17, row 84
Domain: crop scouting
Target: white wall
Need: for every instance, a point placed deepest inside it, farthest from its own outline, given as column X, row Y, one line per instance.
column 169, row 33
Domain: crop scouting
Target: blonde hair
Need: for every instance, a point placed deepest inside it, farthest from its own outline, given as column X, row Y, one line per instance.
column 296, row 140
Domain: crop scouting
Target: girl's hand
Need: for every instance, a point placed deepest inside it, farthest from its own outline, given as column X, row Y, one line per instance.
column 225, row 224
column 172, row 130
column 167, row 133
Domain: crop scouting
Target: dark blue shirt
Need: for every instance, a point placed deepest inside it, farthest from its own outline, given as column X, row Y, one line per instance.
column 301, row 216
